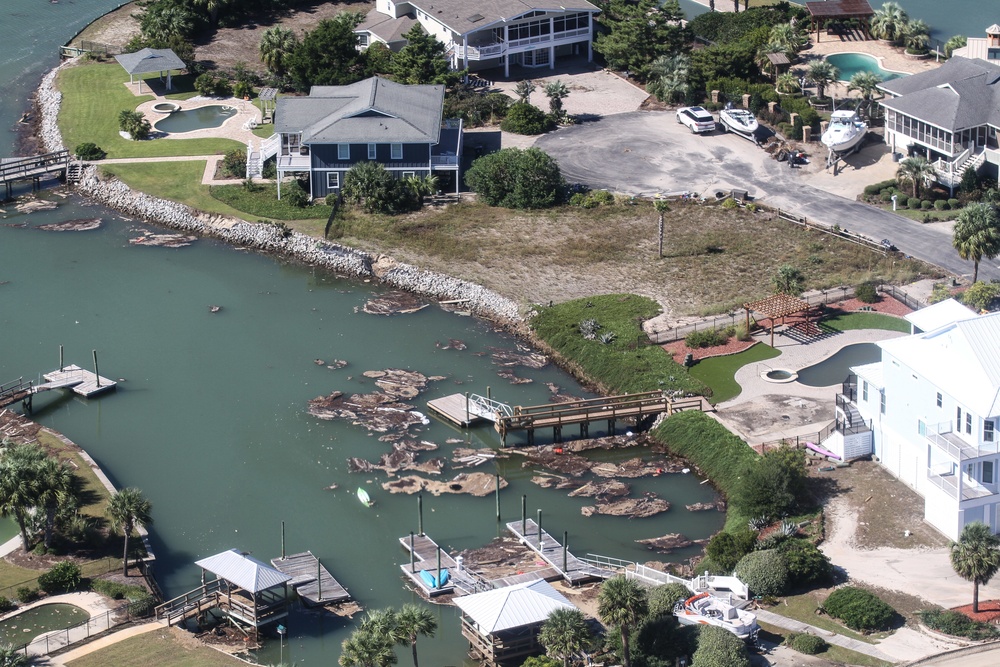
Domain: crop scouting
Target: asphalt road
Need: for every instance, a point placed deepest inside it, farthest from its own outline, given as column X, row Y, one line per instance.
column 645, row 153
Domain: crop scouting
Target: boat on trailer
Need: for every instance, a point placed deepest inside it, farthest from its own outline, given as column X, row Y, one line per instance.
column 705, row 609
column 740, row 121
column 846, row 132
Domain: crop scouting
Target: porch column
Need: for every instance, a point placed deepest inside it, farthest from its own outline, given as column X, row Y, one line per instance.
column 590, row 39
column 506, row 51
column 552, row 48
column 465, row 51
column 280, row 175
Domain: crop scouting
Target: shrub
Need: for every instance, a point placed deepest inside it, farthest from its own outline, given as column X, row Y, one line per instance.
column 63, row 577
column 515, row 178
column 234, row 163
column 26, row 594
column 913, row 203
column 134, row 124
column 764, row 572
column 727, row 549
column 957, row 624
column 876, row 188
column 526, row 118
column 953, row 203
column 601, row 197
column 885, row 197
column 941, row 205
column 475, row 107
column 663, row 598
column 270, row 170
column 806, row 643
column 117, row 590
column 741, row 332
column 243, row 89
column 807, row 565
column 90, row 151
column 927, row 204
column 774, row 485
column 717, row 647
column 859, row 609
column 866, row 292
column 730, row 204
column 981, row 295
column 297, row 197
column 705, row 338
column 6, row 604
column 372, row 186
column 208, row 84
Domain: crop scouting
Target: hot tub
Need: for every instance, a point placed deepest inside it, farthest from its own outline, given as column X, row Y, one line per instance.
column 166, row 107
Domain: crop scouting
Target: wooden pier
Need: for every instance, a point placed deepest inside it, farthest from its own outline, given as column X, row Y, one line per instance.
column 81, row 381
column 571, row 568
column 424, row 556
column 35, row 167
column 455, row 409
column 313, row 582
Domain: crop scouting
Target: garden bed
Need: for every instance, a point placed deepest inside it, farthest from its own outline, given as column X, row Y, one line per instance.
column 989, row 611
column 679, row 349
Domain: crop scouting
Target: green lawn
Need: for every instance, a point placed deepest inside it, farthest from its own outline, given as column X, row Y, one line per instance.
column 93, row 96
column 159, row 647
column 176, row 181
column 803, row 608
column 849, row 321
column 719, row 372
column 263, row 202
column 835, row 654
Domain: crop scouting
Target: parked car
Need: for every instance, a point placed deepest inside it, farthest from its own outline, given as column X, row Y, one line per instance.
column 697, row 119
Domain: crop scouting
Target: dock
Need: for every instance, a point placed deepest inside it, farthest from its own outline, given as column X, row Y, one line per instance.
column 313, row 582
column 424, row 556
column 80, row 380
column 456, row 409
column 35, row 167
column 569, row 567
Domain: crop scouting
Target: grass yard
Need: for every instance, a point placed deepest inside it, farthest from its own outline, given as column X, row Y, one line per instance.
column 719, row 372
column 93, row 96
column 263, row 202
column 176, row 181
column 803, row 608
column 94, row 495
column 849, row 321
column 160, row 647
column 835, row 654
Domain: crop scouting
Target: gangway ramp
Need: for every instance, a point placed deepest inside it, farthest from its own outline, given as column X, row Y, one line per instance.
column 572, row 569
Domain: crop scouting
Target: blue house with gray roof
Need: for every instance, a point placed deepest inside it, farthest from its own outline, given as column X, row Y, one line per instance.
column 326, row 133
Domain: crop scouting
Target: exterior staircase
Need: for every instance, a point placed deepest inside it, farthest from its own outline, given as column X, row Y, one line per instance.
column 949, row 174
column 256, row 158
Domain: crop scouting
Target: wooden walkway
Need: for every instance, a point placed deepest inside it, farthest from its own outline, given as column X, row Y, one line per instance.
column 315, row 591
column 571, row 568
column 455, row 408
column 83, row 382
column 425, row 557
column 15, row 169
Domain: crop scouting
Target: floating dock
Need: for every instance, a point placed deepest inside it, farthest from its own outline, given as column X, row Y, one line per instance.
column 456, row 409
column 569, row 567
column 313, row 582
column 81, row 381
column 425, row 557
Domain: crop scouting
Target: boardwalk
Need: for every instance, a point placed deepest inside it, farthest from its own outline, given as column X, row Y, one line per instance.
column 15, row 169
column 425, row 552
column 314, row 592
column 571, row 568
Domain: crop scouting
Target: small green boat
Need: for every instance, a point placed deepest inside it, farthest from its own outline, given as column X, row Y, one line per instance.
column 364, row 498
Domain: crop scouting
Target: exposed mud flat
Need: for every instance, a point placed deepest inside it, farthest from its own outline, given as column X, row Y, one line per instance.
column 80, row 225
column 477, row 484
column 635, row 508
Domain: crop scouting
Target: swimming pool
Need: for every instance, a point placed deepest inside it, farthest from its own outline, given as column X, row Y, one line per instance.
column 850, row 64
column 835, row 369
column 201, row 118
column 24, row 627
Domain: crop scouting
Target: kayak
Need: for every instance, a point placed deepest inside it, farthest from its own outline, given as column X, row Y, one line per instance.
column 364, row 498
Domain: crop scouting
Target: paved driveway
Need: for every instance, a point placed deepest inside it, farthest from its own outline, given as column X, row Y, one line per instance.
column 648, row 153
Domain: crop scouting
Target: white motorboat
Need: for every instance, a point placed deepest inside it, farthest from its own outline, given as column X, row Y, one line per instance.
column 705, row 609
column 736, row 120
column 846, row 131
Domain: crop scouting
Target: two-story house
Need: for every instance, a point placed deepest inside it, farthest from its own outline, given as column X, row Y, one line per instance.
column 950, row 115
column 336, row 127
column 930, row 410
column 482, row 34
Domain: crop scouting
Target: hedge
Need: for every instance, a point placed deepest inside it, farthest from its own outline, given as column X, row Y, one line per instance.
column 859, row 609
column 957, row 624
column 806, row 643
column 764, row 572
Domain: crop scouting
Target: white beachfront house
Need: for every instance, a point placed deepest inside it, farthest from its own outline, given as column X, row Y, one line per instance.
column 929, row 412
column 485, row 34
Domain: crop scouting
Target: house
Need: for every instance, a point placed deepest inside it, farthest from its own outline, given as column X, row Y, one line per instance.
column 929, row 412
column 951, row 115
column 482, row 34
column 502, row 625
column 326, row 133
column 987, row 48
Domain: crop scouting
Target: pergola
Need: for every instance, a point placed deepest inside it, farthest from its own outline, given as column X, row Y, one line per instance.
column 147, row 61
column 268, row 99
column 779, row 62
column 775, row 307
column 839, row 10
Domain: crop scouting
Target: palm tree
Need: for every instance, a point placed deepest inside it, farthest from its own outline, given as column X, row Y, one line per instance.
column 564, row 634
column 977, row 234
column 56, row 487
column 213, row 7
column 865, row 83
column 787, row 37
column 787, row 83
column 954, row 42
column 12, row 657
column 421, row 186
column 556, row 91
column 916, row 170
column 668, row 76
column 413, row 621
column 160, row 23
column 976, row 557
column 19, row 484
column 276, row 44
column 128, row 510
column 889, row 21
column 915, row 35
column 523, row 90
column 822, row 73
column 366, row 648
column 621, row 604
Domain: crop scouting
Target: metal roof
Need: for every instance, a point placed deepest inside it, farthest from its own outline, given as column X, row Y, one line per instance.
column 513, row 606
column 150, row 60
column 938, row 315
column 375, row 110
column 464, row 16
column 243, row 570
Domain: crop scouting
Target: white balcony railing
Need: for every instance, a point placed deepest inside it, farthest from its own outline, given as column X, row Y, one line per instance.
column 294, row 163
column 945, row 439
column 949, row 483
column 444, row 160
column 482, row 51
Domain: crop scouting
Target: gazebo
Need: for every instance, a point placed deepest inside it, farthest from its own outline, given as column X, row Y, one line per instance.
column 839, row 10
column 150, row 60
column 776, row 307
column 247, row 591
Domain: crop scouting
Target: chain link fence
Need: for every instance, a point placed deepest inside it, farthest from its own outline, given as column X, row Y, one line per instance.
column 95, row 625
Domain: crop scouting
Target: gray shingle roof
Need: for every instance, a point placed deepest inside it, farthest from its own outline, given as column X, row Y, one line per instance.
column 385, row 27
column 375, row 110
column 245, row 571
column 150, row 60
column 960, row 94
column 464, row 16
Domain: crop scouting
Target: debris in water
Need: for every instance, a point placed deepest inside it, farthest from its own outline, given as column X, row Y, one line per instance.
column 81, row 225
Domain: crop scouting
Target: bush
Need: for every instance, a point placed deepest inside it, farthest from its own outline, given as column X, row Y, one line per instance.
column 116, row 590
column 859, row 609
column 372, row 186
column 807, row 565
column 26, row 594
column 525, row 118
column 876, row 188
column 6, row 604
column 728, row 549
column 90, row 151
column 981, row 295
column 764, row 572
column 717, row 647
column 957, row 624
column 62, row 578
column 913, row 203
column 953, row 203
column 475, row 107
column 941, row 205
column 208, row 84
column 234, row 163
column 663, row 598
column 297, row 197
column 866, row 292
column 515, row 178
column 134, row 124
column 705, row 338
column 806, row 643
column 774, row 485
column 927, row 204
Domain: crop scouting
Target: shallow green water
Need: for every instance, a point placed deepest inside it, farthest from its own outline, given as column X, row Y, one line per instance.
column 27, row 625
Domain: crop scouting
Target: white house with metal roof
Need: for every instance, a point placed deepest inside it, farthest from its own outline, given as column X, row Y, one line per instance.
column 335, row 127
column 482, row 34
column 950, row 115
column 933, row 404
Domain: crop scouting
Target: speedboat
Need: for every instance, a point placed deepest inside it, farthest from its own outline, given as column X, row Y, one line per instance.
column 738, row 120
column 704, row 609
column 846, row 131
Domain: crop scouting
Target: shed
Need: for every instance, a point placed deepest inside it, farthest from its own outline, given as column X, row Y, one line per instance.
column 502, row 625
column 147, row 61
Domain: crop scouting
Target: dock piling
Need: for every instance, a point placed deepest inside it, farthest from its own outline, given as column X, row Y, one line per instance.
column 282, row 540
column 524, row 514
column 96, row 372
column 413, row 564
column 437, row 575
column 498, row 495
column 319, row 579
column 539, row 522
column 420, row 513
column 61, row 364
column 565, row 549
column 466, row 408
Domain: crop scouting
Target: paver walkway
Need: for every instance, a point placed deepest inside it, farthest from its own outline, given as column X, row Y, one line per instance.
column 98, row 644
column 846, row 642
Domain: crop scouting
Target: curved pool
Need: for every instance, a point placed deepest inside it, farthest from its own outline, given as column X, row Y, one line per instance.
column 202, row 118
column 835, row 369
column 850, row 64
column 24, row 627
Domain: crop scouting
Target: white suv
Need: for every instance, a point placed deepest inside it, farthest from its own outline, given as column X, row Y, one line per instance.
column 696, row 119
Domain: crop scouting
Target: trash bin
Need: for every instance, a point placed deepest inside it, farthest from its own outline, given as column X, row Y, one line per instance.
column 896, row 157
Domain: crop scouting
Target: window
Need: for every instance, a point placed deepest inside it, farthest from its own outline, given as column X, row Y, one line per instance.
column 988, row 427
column 921, row 427
column 333, row 180
column 864, row 390
column 362, row 39
column 987, row 472
column 409, row 174
column 371, row 151
column 881, row 407
column 343, row 152
column 958, row 419
column 939, row 399
column 968, row 423
column 396, row 151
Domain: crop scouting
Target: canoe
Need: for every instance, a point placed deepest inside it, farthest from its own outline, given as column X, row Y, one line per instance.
column 364, row 498
column 821, row 450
